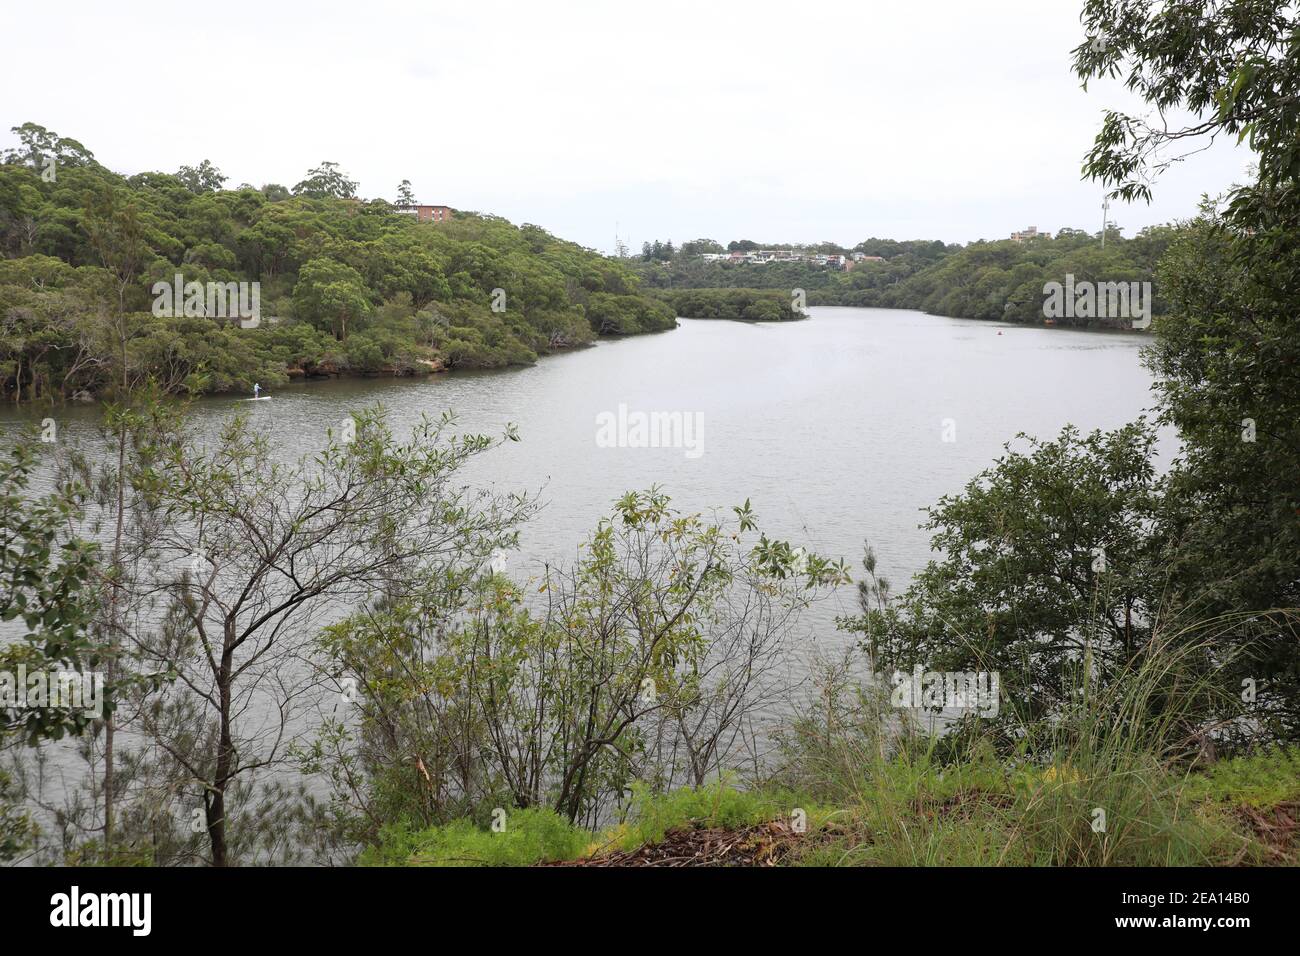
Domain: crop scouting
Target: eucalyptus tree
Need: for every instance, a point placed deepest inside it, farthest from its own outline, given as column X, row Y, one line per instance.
column 112, row 220
column 203, row 178
column 254, row 556
column 326, row 181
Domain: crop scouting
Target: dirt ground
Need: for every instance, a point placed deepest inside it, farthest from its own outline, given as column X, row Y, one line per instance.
column 764, row 844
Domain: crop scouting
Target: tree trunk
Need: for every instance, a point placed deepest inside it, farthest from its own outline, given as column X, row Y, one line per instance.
column 225, row 754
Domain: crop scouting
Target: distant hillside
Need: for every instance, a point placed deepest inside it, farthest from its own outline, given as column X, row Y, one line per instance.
column 1002, row 279
column 345, row 286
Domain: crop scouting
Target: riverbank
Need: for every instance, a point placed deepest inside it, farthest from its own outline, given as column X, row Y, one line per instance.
column 1240, row 812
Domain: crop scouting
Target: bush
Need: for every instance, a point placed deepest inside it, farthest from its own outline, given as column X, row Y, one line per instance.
column 530, row 836
column 750, row 305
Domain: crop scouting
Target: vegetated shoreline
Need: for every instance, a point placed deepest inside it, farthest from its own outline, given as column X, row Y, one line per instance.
column 1001, row 279
column 264, row 284
column 300, row 377
column 984, row 812
column 1095, row 326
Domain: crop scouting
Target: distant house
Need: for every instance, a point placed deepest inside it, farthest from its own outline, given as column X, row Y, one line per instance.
column 764, row 257
column 1030, row 233
column 425, row 213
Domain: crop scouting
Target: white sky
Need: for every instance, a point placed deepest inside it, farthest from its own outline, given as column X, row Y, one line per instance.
column 790, row 121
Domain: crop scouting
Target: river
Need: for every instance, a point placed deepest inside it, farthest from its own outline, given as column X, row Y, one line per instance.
column 838, row 428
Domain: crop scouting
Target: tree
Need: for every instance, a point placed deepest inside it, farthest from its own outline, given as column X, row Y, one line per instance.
column 330, row 294
column 255, row 556
column 1233, row 66
column 57, row 342
column 204, row 178
column 1049, row 560
column 39, row 143
column 647, row 661
column 1227, row 361
column 46, row 579
column 1227, row 356
column 405, row 197
column 326, row 181
column 117, row 235
column 697, row 247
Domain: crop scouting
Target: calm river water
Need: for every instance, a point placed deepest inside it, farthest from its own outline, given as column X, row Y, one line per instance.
column 834, row 427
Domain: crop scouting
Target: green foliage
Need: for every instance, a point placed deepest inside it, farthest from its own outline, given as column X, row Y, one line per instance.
column 1048, row 560
column 914, row 808
column 329, row 294
column 693, row 272
column 627, row 314
column 326, row 181
column 1000, row 280
column 538, row 835
column 327, row 263
column 1264, row 779
column 718, row 804
column 1227, row 365
column 202, row 178
column 1004, row 280
column 1231, row 68
column 40, row 144
column 46, row 582
column 529, row 836
column 1100, row 785
column 1227, row 357
column 17, row 831
column 658, row 641
column 750, row 305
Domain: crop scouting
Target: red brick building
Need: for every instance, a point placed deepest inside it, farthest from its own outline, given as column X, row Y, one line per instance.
column 426, row 213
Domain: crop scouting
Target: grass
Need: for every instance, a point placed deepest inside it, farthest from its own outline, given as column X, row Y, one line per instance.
column 528, row 837
column 989, row 814
column 716, row 805
column 1104, row 783
column 1260, row 780
column 536, row 836
column 919, row 813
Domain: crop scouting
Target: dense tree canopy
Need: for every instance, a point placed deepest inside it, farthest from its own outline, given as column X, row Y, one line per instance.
column 1001, row 280
column 1227, row 355
column 345, row 285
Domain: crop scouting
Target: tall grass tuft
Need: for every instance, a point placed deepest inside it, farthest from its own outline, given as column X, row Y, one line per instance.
column 1100, row 783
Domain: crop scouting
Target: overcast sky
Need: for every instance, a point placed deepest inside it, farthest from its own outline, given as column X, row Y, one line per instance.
column 790, row 121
